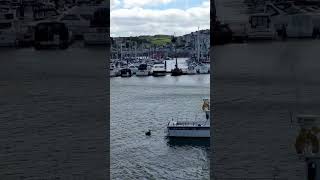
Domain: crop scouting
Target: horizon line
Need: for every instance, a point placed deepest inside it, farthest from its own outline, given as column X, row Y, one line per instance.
column 158, row 34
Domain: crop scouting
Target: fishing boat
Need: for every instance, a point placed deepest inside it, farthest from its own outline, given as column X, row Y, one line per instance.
column 158, row 69
column 142, row 70
column 176, row 71
column 191, row 129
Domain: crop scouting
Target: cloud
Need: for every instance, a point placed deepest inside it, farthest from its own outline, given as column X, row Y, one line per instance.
column 139, row 21
column 142, row 3
column 114, row 3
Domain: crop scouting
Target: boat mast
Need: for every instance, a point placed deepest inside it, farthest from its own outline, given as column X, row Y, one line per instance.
column 135, row 50
column 175, row 49
column 120, row 51
column 198, row 49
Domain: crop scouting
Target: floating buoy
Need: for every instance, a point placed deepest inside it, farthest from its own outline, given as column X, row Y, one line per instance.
column 148, row 133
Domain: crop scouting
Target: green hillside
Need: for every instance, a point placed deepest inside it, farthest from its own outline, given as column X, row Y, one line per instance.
column 157, row 40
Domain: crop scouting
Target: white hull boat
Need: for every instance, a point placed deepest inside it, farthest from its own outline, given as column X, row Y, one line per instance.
column 191, row 129
column 188, row 129
column 159, row 70
column 142, row 73
column 113, row 73
column 202, row 69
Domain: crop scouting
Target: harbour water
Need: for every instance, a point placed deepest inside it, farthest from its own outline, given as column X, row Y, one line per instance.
column 256, row 87
column 53, row 113
column 142, row 103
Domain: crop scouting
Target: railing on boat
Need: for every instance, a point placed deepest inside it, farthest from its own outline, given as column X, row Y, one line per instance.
column 188, row 123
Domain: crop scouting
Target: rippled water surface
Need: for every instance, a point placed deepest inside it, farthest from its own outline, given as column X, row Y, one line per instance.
column 142, row 103
column 53, row 113
column 256, row 87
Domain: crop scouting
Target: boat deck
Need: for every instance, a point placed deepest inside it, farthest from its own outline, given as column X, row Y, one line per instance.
column 188, row 124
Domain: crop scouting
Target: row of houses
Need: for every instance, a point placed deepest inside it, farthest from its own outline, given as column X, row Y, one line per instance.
column 187, row 44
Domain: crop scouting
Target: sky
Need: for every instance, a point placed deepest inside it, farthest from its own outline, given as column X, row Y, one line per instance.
column 151, row 17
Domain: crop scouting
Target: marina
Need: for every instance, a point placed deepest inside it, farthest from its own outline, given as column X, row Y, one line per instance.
column 85, row 22
column 159, row 130
column 154, row 60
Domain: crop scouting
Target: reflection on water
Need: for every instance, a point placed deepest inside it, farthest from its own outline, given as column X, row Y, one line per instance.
column 204, row 142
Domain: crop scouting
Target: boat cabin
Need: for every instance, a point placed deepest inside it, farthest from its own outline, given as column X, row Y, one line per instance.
column 143, row 67
column 259, row 21
column 260, row 27
column 48, row 34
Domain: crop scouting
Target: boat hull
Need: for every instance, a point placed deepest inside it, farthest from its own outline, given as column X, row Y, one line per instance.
column 159, row 73
column 204, row 133
column 126, row 75
column 142, row 73
column 113, row 73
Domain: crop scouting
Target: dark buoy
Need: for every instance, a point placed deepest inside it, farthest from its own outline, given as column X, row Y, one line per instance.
column 148, row 133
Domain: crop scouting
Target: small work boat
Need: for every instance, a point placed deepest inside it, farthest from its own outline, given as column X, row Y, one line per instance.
column 191, row 129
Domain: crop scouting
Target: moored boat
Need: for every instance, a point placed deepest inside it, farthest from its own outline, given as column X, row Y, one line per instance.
column 260, row 27
column 51, row 34
column 126, row 72
column 142, row 70
column 159, row 70
column 113, row 70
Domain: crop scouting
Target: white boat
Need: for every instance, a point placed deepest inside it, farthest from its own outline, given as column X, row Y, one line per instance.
column 133, row 68
column 260, row 27
column 202, row 69
column 191, row 70
column 113, row 70
column 158, row 70
column 8, row 31
column 295, row 21
column 191, row 129
column 142, row 70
